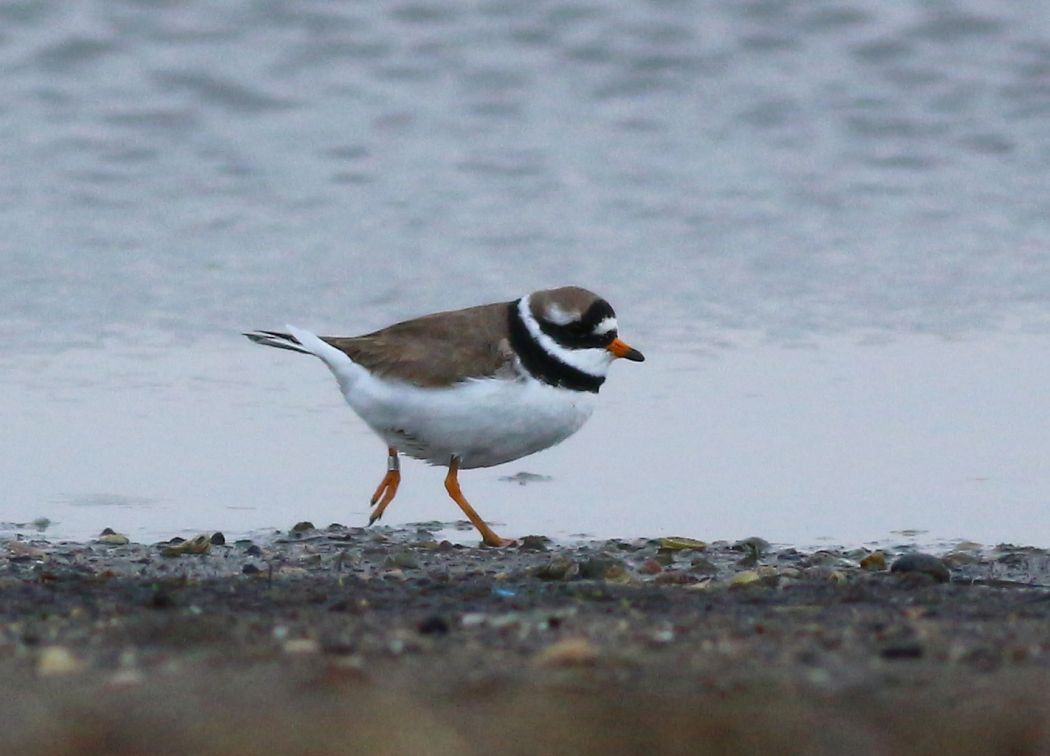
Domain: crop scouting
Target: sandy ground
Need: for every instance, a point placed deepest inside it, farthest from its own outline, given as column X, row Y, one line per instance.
column 387, row 641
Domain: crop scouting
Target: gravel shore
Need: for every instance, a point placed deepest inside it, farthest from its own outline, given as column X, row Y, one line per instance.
column 389, row 641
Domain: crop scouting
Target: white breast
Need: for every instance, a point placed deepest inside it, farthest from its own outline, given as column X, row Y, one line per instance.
column 484, row 421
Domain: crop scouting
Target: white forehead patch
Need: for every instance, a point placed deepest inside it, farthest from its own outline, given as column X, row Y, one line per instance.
column 606, row 326
column 558, row 316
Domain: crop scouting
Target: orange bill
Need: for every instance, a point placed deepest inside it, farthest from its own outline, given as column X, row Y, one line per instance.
column 621, row 349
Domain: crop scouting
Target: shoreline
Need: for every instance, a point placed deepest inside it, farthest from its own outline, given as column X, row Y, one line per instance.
column 393, row 642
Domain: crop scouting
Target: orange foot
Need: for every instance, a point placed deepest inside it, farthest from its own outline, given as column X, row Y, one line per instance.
column 387, row 488
column 499, row 543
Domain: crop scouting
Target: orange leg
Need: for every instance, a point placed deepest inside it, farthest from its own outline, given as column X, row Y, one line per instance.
column 387, row 486
column 452, row 486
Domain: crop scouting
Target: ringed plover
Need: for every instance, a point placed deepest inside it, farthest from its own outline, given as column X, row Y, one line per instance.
column 474, row 387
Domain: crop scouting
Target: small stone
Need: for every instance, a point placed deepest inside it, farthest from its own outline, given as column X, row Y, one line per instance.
column 662, row 636
column 753, row 546
column 745, row 579
column 558, row 568
column 874, row 561
column 302, row 527
column 250, row 569
column 301, row 646
column 960, row 558
column 902, row 650
column 570, row 652
column 19, row 551
column 924, row 564
column 680, row 543
column 253, row 550
column 112, row 538
column 534, row 543
column 769, row 575
column 664, row 557
column 600, row 568
column 57, row 660
column 218, row 539
column 435, row 624
column 703, row 566
column 196, row 545
column 618, row 573
column 650, row 567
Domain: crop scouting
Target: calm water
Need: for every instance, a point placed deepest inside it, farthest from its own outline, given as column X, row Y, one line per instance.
column 827, row 225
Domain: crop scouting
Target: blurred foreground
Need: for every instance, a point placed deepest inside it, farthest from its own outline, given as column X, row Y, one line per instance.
column 385, row 641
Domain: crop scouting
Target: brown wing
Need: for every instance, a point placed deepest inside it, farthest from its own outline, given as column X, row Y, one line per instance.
column 436, row 350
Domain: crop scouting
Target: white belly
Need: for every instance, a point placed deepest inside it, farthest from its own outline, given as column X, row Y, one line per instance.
column 484, row 422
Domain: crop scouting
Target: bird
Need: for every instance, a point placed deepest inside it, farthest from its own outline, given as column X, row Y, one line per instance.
column 474, row 387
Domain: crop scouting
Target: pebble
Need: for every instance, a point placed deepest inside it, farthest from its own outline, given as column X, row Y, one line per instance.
column 435, row 624
column 534, row 543
column 570, row 652
column 874, row 561
column 754, row 546
column 111, row 537
column 21, row 551
column 960, row 558
column 650, row 567
column 57, row 660
column 703, row 566
column 924, row 564
column 601, row 568
column 902, row 650
column 196, row 545
column 558, row 568
column 680, row 543
column 301, row 646
column 302, row 527
column 675, row 577
column 744, row 579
